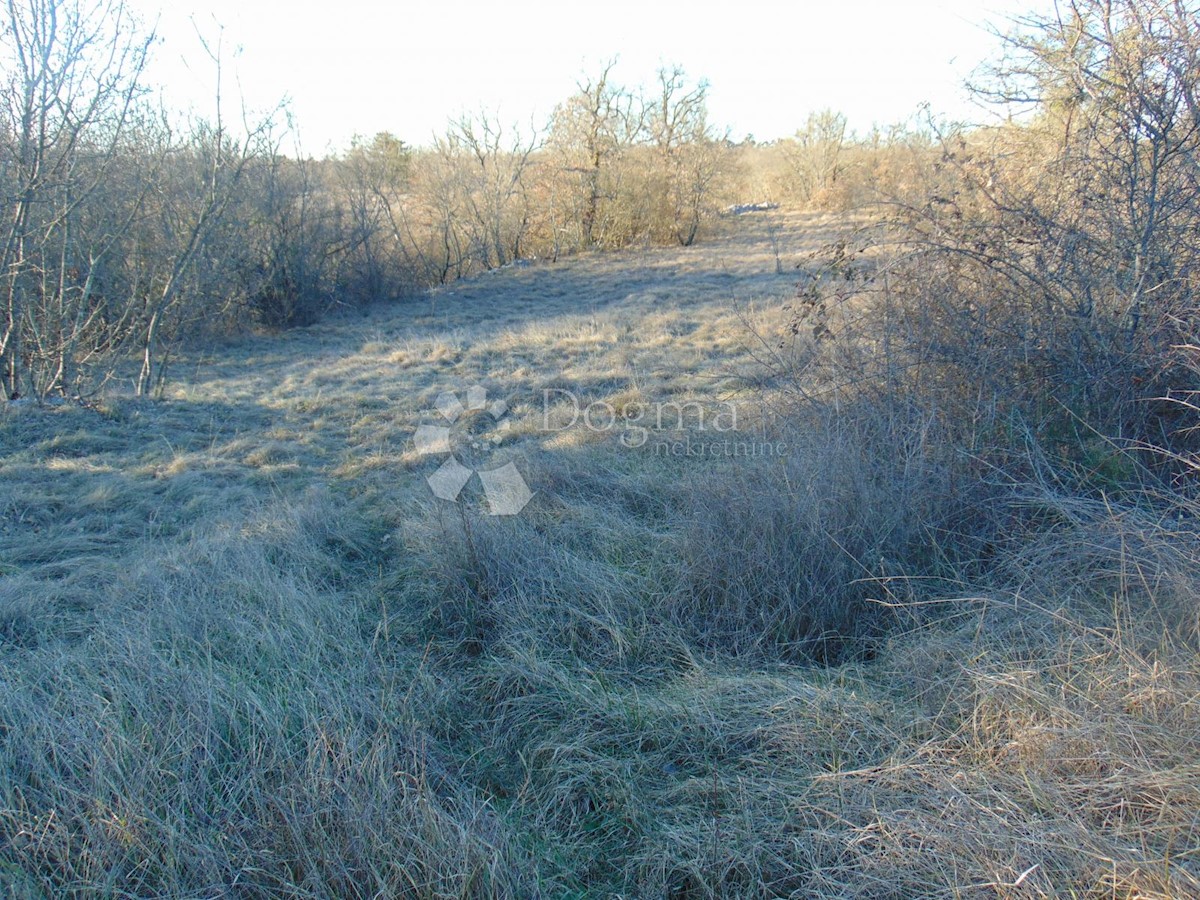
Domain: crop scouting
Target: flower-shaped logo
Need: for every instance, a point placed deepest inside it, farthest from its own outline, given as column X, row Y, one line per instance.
column 506, row 491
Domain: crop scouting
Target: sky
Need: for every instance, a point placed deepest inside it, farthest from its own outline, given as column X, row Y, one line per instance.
column 354, row 67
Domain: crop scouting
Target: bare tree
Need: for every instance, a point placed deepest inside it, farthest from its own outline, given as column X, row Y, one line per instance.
column 374, row 177
column 816, row 154
column 690, row 158
column 591, row 131
column 71, row 81
column 212, row 162
column 293, row 241
column 115, row 234
column 493, row 165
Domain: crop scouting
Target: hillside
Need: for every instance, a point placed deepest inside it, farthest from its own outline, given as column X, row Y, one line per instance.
column 716, row 651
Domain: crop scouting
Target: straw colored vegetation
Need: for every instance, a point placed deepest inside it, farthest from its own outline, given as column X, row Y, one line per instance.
column 245, row 652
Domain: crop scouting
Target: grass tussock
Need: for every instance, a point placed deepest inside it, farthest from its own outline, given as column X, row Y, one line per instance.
column 813, row 555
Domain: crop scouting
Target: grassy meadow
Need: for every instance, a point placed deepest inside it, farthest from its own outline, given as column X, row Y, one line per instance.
column 245, row 652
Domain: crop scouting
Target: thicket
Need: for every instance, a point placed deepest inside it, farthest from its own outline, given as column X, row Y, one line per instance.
column 1046, row 269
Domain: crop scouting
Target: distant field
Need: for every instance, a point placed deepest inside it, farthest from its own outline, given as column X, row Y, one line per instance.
column 245, row 651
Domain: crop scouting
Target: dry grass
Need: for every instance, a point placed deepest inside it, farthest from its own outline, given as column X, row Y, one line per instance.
column 244, row 652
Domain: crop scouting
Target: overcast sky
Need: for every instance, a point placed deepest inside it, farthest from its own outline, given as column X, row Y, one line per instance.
column 355, row 67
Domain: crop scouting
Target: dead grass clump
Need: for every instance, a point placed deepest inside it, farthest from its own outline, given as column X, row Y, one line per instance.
column 681, row 786
column 811, row 555
column 562, row 580
column 1073, row 775
column 1137, row 558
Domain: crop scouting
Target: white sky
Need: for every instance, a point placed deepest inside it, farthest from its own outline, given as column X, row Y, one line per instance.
column 356, row 67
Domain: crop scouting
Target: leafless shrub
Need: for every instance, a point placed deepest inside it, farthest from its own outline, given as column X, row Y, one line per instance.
column 1057, row 265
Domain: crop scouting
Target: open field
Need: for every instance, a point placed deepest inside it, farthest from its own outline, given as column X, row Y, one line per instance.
column 244, row 651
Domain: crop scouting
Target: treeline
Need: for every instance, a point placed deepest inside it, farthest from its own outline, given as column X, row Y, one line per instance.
column 613, row 167
column 1058, row 247
column 127, row 228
